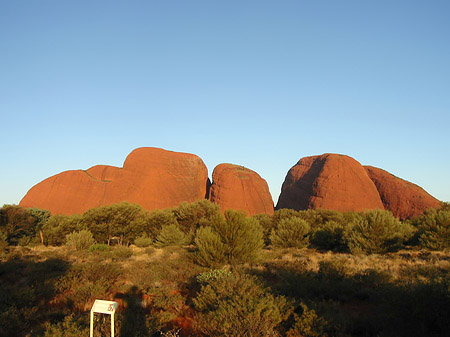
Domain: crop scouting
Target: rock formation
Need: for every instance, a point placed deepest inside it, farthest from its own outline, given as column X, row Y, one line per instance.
column 151, row 177
column 402, row 198
column 236, row 187
column 329, row 181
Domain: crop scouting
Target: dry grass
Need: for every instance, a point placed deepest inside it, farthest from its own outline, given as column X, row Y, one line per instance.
column 393, row 263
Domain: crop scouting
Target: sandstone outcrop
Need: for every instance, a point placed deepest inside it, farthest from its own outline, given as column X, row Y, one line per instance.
column 403, row 198
column 151, row 177
column 329, row 181
column 236, row 187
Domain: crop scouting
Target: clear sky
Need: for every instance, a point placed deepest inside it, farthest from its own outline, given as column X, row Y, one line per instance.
column 254, row 83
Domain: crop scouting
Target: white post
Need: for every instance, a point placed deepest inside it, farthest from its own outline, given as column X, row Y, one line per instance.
column 103, row 307
column 112, row 325
column 91, row 334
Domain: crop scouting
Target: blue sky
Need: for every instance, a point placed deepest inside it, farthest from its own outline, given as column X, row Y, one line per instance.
column 255, row 83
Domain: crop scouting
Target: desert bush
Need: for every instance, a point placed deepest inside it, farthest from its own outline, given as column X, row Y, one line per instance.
column 212, row 251
column 84, row 282
column 212, row 275
column 171, row 235
column 330, row 236
column 378, row 232
column 231, row 239
column 58, row 226
column 17, row 223
column 3, row 241
column 308, row 324
column 124, row 220
column 291, row 232
column 238, row 305
column 143, row 241
column 98, row 247
column 434, row 229
column 266, row 222
column 26, row 288
column 157, row 219
column 72, row 326
column 191, row 215
column 80, row 240
column 318, row 217
column 121, row 252
column 281, row 214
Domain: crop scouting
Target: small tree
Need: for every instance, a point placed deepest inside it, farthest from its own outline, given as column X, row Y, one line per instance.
column 230, row 239
column 80, row 240
column 291, row 232
column 378, row 232
column 58, row 226
column 143, row 241
column 18, row 224
column 171, row 235
column 157, row 219
column 434, row 229
column 123, row 220
column 190, row 215
column 330, row 236
column 238, row 305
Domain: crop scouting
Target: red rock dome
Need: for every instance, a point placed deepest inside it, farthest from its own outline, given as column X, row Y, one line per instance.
column 151, row 177
column 236, row 187
column 329, row 181
column 402, row 198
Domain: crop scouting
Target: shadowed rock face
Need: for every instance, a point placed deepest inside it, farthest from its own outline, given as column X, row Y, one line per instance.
column 151, row 177
column 236, row 187
column 329, row 181
column 402, row 198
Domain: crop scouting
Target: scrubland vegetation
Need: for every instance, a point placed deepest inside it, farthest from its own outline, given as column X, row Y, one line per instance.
column 193, row 271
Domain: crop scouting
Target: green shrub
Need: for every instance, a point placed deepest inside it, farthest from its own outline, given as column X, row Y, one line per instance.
column 238, row 305
column 98, row 247
column 212, row 275
column 143, row 241
column 378, row 232
column 291, row 232
column 308, row 324
column 58, row 226
column 266, row 222
column 121, row 252
column 212, row 251
column 434, row 229
column 190, row 215
column 72, row 326
column 85, row 282
column 3, row 241
column 124, row 221
column 330, row 236
column 17, row 223
column 80, row 240
column 157, row 219
column 231, row 239
column 171, row 235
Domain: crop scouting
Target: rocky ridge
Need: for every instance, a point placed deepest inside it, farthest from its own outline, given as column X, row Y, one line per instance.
column 157, row 179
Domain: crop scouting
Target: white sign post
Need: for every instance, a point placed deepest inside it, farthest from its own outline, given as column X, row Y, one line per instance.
column 103, row 307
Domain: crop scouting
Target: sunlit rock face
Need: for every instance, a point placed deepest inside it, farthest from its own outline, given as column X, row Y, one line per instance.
column 403, row 198
column 239, row 188
column 329, row 181
column 151, row 177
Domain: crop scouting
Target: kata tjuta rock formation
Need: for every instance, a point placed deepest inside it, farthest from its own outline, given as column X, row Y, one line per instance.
column 338, row 182
column 402, row 198
column 329, row 181
column 237, row 187
column 151, row 177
